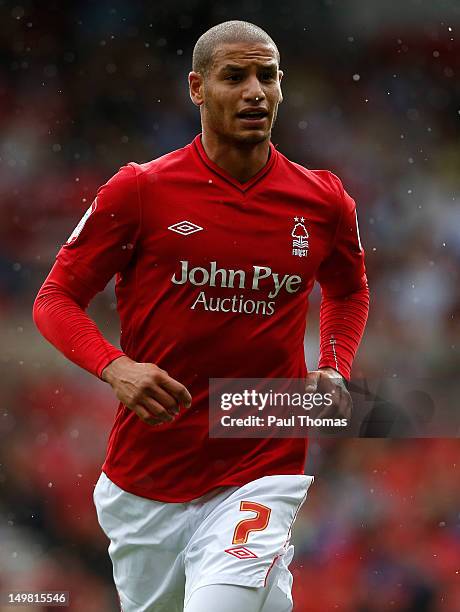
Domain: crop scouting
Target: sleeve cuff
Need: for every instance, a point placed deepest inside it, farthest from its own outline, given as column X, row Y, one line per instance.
column 111, row 356
column 330, row 363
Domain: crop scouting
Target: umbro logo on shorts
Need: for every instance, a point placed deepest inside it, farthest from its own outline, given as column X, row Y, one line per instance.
column 241, row 553
column 185, row 228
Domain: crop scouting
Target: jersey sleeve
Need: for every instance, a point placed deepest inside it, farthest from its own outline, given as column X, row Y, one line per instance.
column 344, row 292
column 59, row 314
column 343, row 271
column 341, row 327
column 105, row 239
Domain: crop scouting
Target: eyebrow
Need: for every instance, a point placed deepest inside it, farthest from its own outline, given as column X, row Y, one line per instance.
column 237, row 68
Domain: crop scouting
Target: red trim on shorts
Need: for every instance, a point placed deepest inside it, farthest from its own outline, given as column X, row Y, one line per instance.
column 289, row 531
column 119, row 600
column 270, row 569
column 297, row 512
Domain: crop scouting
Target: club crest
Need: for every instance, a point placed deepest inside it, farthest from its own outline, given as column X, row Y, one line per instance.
column 299, row 238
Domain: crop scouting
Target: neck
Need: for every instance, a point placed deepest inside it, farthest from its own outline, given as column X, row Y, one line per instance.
column 241, row 162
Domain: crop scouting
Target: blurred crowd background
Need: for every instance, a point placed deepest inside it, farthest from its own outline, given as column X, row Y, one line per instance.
column 372, row 92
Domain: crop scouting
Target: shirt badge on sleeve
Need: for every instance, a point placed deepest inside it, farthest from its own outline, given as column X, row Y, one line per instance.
column 81, row 224
column 299, row 238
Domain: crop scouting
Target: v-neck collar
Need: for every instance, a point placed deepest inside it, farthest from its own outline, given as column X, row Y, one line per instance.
column 243, row 187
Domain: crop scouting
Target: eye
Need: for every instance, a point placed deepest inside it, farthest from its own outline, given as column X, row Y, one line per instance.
column 267, row 76
column 233, row 77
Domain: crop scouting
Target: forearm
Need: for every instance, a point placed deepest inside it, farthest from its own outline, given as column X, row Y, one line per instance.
column 64, row 323
column 342, row 323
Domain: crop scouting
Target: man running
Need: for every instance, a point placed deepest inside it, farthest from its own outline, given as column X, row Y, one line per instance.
column 215, row 247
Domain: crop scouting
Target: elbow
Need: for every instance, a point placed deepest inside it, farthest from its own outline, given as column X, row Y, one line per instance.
column 360, row 290
column 363, row 285
column 38, row 308
column 361, row 294
column 44, row 304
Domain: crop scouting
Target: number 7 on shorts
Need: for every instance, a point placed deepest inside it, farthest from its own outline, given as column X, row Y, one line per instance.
column 256, row 523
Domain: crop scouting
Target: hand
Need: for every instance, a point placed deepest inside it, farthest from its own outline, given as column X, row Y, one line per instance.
column 328, row 380
column 147, row 390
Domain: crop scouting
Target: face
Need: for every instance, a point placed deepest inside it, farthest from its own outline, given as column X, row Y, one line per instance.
column 239, row 97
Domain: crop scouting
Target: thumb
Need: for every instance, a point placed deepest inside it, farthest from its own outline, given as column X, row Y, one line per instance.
column 311, row 381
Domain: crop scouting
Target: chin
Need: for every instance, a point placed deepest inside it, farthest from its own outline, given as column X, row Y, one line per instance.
column 252, row 137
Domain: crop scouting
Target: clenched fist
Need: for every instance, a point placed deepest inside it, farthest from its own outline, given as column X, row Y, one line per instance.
column 328, row 380
column 147, row 390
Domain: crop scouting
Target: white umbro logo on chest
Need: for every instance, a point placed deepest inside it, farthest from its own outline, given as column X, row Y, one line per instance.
column 185, row 228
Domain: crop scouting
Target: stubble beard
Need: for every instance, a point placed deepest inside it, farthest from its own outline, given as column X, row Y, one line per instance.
column 233, row 136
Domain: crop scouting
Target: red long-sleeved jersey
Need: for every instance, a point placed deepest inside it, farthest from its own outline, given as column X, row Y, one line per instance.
column 213, row 278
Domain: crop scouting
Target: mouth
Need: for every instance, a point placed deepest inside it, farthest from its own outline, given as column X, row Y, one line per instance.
column 253, row 117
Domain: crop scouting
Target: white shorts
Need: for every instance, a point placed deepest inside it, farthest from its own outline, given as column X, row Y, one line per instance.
column 162, row 552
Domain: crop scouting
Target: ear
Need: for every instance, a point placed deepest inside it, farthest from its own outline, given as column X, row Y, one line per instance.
column 195, row 82
column 280, row 77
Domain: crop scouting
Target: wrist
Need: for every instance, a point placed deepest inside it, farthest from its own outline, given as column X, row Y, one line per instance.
column 331, row 370
column 111, row 371
column 335, row 374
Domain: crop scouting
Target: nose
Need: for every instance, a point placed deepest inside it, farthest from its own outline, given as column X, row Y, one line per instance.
column 253, row 91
